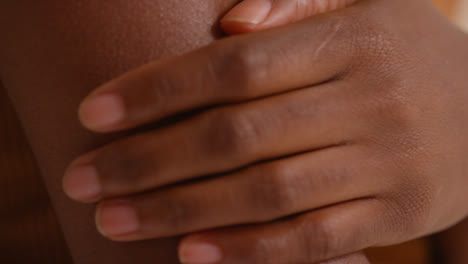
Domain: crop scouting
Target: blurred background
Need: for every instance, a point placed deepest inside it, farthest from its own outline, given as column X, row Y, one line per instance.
column 29, row 232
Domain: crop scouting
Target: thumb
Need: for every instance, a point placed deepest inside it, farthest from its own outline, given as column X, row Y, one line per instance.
column 254, row 15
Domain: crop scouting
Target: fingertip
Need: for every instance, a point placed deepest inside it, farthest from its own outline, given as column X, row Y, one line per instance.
column 117, row 220
column 236, row 27
column 102, row 112
column 246, row 16
column 81, row 183
column 196, row 249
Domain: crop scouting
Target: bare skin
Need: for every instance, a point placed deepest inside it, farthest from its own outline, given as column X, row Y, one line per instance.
column 92, row 143
column 54, row 52
column 378, row 131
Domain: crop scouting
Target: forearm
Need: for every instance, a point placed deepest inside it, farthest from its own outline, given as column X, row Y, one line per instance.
column 54, row 53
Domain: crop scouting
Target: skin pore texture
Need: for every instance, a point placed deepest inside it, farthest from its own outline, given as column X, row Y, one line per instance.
column 54, row 52
column 375, row 131
column 75, row 58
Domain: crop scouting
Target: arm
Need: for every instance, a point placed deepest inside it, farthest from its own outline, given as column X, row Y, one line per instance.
column 417, row 186
column 29, row 231
column 53, row 53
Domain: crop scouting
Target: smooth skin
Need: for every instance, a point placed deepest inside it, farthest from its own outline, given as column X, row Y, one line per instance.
column 54, row 52
column 352, row 135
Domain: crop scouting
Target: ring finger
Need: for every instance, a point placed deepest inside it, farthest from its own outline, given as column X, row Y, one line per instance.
column 258, row 194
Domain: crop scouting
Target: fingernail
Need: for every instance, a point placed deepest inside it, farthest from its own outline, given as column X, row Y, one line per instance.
column 117, row 219
column 249, row 11
column 81, row 183
column 199, row 253
column 102, row 111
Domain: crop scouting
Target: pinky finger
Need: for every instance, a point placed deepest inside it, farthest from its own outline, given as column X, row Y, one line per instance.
column 309, row 238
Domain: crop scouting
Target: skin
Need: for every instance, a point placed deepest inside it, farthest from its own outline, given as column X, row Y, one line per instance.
column 53, row 53
column 361, row 113
column 256, row 15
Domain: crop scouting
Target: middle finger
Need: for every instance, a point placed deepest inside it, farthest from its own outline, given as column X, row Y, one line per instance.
column 217, row 141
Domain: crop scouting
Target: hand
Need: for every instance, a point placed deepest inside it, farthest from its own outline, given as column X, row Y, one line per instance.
column 331, row 135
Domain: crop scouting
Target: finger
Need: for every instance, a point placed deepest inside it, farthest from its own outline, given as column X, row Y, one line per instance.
column 228, row 71
column 308, row 238
column 258, row 194
column 218, row 141
column 254, row 15
column 357, row 258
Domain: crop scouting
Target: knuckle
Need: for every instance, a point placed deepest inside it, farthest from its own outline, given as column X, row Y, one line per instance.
column 393, row 100
column 276, row 194
column 245, row 61
column 162, row 89
column 175, row 214
column 341, row 35
column 413, row 196
column 399, row 129
column 262, row 251
column 328, row 178
column 396, row 107
column 377, row 46
column 122, row 168
column 243, row 65
column 231, row 133
column 411, row 213
column 319, row 239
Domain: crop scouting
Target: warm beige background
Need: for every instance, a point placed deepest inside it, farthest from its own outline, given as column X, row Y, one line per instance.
column 447, row 6
column 28, row 230
column 461, row 14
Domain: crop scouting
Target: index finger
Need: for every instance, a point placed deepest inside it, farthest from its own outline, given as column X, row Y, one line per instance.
column 231, row 70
